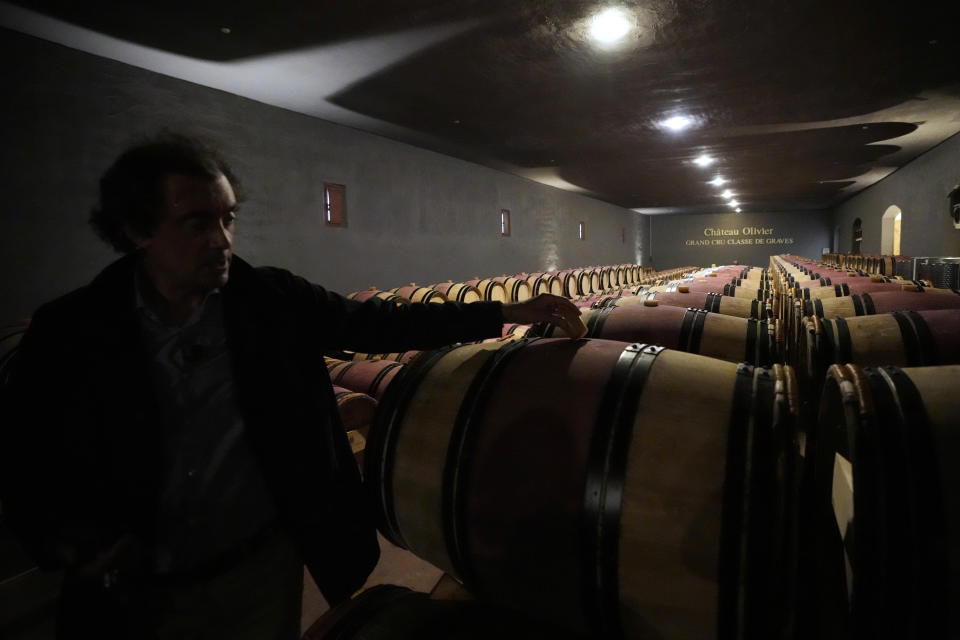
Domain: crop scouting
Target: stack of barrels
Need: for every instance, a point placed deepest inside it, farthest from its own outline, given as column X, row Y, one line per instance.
column 672, row 476
column 872, row 264
column 875, row 356
column 642, row 480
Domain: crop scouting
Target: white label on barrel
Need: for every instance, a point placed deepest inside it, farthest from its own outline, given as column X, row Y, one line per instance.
column 843, row 508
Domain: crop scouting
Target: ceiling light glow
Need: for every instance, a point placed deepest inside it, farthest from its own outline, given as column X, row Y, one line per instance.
column 718, row 181
column 727, row 194
column 609, row 25
column 734, row 203
column 738, row 209
column 703, row 160
column 677, row 123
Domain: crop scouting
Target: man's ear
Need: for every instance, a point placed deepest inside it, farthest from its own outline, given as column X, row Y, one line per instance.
column 141, row 241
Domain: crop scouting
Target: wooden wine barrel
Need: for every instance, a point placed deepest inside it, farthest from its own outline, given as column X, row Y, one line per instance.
column 583, row 282
column 390, row 612
column 371, row 377
column 748, row 283
column 458, row 291
column 692, row 330
column 373, row 292
column 888, row 519
column 569, row 279
column 879, row 302
column 749, row 293
column 848, row 287
column 555, row 477
column 544, row 283
column 517, row 290
column 516, row 330
column 754, row 273
column 403, row 357
column 491, row 290
column 356, row 409
column 413, row 293
column 596, row 279
column 607, row 277
column 714, row 302
column 901, row 338
column 623, row 275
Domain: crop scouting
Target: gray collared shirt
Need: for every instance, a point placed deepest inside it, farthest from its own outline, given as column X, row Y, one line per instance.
column 213, row 496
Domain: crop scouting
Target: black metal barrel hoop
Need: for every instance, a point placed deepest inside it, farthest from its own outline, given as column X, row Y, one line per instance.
column 928, row 347
column 730, row 567
column 911, row 343
column 381, row 441
column 603, row 486
column 596, row 321
column 458, row 469
column 922, row 554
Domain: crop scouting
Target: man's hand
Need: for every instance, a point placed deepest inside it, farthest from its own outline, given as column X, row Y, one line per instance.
column 547, row 308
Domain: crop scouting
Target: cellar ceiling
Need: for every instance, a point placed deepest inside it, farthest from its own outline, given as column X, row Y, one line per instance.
column 795, row 104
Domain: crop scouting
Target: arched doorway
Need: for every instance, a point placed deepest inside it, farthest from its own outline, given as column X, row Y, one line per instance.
column 890, row 227
column 857, row 237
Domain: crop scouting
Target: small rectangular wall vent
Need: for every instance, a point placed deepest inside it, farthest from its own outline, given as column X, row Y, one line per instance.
column 334, row 205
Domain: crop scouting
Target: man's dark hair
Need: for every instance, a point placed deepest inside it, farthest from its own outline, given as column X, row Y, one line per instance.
column 131, row 191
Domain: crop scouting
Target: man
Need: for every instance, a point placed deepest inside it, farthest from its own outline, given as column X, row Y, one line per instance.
column 173, row 441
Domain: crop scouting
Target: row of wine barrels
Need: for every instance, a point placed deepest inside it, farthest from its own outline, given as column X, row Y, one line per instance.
column 517, row 290
column 882, row 264
column 373, row 292
column 887, row 520
column 873, row 303
column 692, row 330
column 371, row 377
column 658, row 277
column 544, row 283
column 846, row 296
column 413, row 293
column 458, row 291
column 714, row 302
column 391, row 612
column 902, row 338
column 490, row 290
column 554, row 477
column 709, row 285
column 403, row 357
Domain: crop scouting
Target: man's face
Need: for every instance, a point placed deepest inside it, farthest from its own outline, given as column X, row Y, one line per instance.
column 192, row 243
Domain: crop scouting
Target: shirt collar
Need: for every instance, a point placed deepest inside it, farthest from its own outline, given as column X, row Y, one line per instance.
column 143, row 307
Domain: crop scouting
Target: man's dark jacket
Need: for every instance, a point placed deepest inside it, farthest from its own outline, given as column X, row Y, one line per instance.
column 82, row 439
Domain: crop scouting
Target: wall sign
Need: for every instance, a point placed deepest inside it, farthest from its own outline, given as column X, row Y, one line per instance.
column 738, row 236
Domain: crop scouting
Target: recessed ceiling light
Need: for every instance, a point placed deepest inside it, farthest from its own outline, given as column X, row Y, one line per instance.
column 734, row 203
column 738, row 209
column 677, row 123
column 609, row 25
column 225, row 30
column 727, row 194
column 718, row 181
column 703, row 160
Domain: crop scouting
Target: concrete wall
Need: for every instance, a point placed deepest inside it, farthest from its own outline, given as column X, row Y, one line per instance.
column 642, row 240
column 413, row 215
column 920, row 190
column 751, row 238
